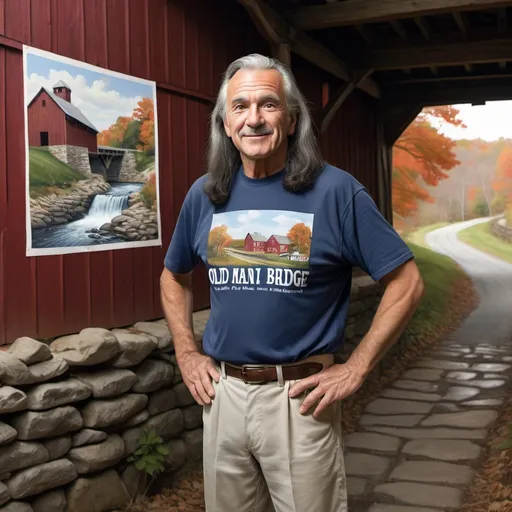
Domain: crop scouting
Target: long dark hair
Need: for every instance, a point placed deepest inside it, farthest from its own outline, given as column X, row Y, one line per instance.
column 303, row 163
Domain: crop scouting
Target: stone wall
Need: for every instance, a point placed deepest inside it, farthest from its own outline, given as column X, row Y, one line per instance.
column 501, row 230
column 129, row 171
column 53, row 209
column 72, row 412
column 76, row 157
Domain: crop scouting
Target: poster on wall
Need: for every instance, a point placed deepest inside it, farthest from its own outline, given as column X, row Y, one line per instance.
column 91, row 138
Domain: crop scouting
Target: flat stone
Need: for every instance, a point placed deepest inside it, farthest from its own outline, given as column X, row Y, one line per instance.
column 4, row 494
column 108, row 383
column 177, row 456
column 51, row 423
column 131, row 439
column 112, row 411
column 446, row 407
column 466, row 419
column 447, row 353
column 410, row 395
column 161, row 401
column 7, row 433
column 372, row 441
column 183, row 395
column 385, row 406
column 365, row 464
column 107, row 488
column 17, row 506
column 192, row 416
column 12, row 370
column 12, row 400
column 153, row 375
column 423, row 374
column 470, row 356
column 57, row 447
column 135, row 348
column 507, row 359
column 422, row 494
column 459, row 393
column 448, row 450
column 159, row 331
column 167, row 425
column 37, row 479
column 487, row 384
column 396, row 420
column 490, row 367
column 21, row 454
column 492, row 376
column 87, row 436
column 96, row 457
column 356, row 486
column 432, row 472
column 487, row 402
column 139, row 418
column 461, row 375
column 91, row 346
column 30, row 351
column 54, row 394
column 193, row 440
column 47, row 370
column 431, row 433
column 427, row 387
column 384, row 507
column 441, row 365
column 53, row 501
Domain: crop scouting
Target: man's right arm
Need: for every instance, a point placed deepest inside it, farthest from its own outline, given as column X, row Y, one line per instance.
column 196, row 369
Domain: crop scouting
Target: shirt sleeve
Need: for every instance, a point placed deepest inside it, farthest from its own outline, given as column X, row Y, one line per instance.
column 181, row 256
column 368, row 239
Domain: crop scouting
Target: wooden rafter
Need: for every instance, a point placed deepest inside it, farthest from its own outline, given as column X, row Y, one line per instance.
column 278, row 31
column 460, row 53
column 353, row 12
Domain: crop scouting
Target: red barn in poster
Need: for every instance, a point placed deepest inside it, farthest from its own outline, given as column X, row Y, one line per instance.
column 54, row 121
column 254, row 242
column 278, row 244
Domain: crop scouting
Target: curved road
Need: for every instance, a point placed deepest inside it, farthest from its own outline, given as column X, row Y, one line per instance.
column 491, row 322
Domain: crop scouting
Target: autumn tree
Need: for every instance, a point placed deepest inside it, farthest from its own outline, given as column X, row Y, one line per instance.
column 300, row 236
column 422, row 155
column 218, row 238
column 502, row 183
column 145, row 113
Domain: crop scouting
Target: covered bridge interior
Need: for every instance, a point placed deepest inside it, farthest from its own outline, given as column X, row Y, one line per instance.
column 367, row 68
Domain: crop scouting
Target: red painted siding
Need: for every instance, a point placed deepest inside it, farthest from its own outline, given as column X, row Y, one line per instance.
column 77, row 135
column 183, row 48
column 48, row 118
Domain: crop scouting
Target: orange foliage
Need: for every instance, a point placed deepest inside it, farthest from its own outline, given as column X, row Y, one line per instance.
column 115, row 132
column 503, row 180
column 218, row 238
column 422, row 154
column 300, row 235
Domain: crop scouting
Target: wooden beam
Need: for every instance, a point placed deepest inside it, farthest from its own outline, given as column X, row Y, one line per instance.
column 448, row 94
column 278, row 31
column 281, row 52
column 464, row 52
column 447, row 79
column 399, row 29
column 353, row 12
column 422, row 24
column 339, row 98
column 461, row 22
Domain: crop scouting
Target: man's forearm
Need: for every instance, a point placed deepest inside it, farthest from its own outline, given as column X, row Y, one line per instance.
column 398, row 304
column 176, row 294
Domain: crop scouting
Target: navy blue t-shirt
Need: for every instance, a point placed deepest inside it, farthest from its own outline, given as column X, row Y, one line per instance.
column 280, row 263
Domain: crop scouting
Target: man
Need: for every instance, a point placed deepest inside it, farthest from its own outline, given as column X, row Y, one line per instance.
column 279, row 231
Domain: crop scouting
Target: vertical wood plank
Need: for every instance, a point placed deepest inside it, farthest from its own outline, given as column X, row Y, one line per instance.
column 40, row 22
column 95, row 32
column 3, row 195
column 158, row 41
column 17, row 20
column 20, row 286
column 2, row 17
column 176, row 35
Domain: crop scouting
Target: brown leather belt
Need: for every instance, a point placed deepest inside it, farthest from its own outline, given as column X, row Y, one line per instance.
column 261, row 374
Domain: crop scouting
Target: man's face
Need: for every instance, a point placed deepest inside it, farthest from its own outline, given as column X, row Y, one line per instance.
column 257, row 119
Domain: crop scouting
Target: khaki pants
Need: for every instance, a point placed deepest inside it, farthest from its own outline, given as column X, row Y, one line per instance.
column 260, row 454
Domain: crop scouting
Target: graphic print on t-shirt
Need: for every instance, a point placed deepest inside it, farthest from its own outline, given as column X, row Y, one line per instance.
column 259, row 248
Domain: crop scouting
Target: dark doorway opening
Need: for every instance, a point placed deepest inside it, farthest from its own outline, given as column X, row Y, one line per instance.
column 44, row 138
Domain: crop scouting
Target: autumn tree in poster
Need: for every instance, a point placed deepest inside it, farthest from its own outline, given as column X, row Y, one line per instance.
column 300, row 236
column 422, row 156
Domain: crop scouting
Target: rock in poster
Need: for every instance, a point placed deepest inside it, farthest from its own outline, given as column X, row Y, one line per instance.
column 91, row 157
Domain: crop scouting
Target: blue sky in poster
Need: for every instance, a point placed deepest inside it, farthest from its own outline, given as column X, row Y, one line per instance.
column 265, row 222
column 101, row 96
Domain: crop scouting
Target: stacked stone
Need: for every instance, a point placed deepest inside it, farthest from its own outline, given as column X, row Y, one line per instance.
column 136, row 223
column 53, row 209
column 72, row 412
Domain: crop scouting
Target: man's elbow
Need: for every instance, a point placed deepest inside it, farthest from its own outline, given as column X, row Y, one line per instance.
column 418, row 288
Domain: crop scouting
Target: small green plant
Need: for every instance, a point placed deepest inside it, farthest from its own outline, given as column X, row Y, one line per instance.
column 149, row 457
column 507, row 444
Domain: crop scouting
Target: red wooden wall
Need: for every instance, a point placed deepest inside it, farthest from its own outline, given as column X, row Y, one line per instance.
column 49, row 118
column 78, row 135
column 184, row 45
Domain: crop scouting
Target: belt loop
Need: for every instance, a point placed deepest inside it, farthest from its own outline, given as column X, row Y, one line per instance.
column 279, row 371
column 223, row 369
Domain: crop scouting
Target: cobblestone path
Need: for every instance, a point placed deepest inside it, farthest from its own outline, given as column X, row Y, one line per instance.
column 420, row 442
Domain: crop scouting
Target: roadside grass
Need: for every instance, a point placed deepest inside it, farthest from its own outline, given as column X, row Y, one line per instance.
column 417, row 237
column 46, row 171
column 482, row 238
